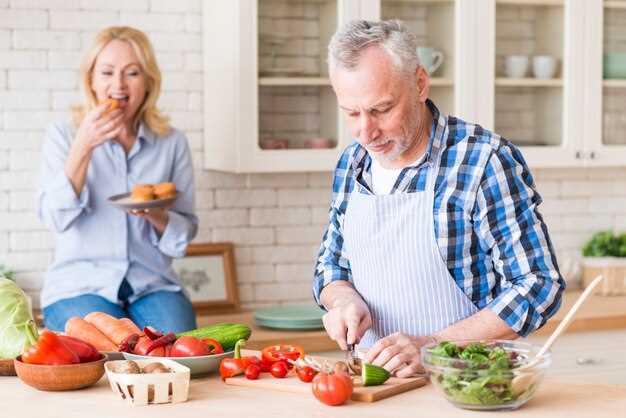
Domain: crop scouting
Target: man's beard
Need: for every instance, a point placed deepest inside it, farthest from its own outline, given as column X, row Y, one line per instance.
column 401, row 143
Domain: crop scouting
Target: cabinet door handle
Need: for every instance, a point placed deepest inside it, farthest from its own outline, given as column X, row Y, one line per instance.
column 578, row 155
column 592, row 155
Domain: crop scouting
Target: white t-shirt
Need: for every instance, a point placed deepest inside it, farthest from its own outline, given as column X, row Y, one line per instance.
column 383, row 178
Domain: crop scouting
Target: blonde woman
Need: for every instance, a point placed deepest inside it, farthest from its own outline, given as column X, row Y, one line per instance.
column 106, row 259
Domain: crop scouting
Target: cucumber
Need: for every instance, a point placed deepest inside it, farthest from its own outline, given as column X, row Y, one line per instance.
column 373, row 375
column 227, row 334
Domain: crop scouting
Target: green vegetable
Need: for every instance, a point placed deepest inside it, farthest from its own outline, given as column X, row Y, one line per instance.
column 225, row 333
column 5, row 273
column 373, row 375
column 17, row 328
column 606, row 244
column 477, row 374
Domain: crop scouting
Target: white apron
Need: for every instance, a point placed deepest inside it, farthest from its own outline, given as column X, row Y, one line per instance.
column 396, row 264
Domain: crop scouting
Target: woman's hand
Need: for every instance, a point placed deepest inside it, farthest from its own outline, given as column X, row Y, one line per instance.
column 158, row 217
column 399, row 354
column 97, row 126
column 95, row 129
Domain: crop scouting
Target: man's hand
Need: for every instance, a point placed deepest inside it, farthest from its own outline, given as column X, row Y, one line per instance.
column 399, row 354
column 348, row 316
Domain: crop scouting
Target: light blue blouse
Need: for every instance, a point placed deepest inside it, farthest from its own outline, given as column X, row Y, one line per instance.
column 97, row 244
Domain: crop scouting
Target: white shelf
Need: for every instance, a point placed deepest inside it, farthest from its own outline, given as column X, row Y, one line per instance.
column 617, row 83
column 294, row 81
column 615, row 4
column 323, row 81
column 528, row 82
column 532, row 2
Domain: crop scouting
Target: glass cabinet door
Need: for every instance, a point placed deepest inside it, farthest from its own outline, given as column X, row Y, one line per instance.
column 614, row 74
column 297, row 106
column 529, row 60
column 432, row 21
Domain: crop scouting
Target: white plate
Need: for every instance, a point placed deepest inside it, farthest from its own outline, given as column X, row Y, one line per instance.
column 124, row 202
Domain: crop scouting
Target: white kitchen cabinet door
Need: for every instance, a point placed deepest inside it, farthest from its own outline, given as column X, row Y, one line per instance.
column 269, row 105
column 542, row 116
column 605, row 89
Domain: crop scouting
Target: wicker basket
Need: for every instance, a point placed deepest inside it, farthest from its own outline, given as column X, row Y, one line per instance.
column 150, row 388
column 614, row 271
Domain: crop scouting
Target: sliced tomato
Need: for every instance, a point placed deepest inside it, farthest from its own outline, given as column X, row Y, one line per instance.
column 274, row 353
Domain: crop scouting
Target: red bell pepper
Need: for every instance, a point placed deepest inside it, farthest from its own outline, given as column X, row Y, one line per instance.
column 85, row 351
column 237, row 365
column 214, row 346
column 50, row 350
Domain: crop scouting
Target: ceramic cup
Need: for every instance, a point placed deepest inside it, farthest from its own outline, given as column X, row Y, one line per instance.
column 615, row 65
column 515, row 66
column 544, row 66
column 320, row 142
column 430, row 58
column 274, row 143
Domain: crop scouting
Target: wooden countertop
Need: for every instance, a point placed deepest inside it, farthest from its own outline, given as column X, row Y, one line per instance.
column 210, row 397
column 597, row 313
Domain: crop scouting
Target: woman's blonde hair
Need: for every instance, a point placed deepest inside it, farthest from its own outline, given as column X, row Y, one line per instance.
column 148, row 112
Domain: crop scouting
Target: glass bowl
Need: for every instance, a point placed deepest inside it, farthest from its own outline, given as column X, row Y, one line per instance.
column 485, row 375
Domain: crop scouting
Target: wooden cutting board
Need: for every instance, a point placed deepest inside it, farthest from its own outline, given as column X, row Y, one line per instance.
column 361, row 393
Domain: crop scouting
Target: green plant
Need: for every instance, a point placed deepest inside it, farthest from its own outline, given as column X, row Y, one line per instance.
column 606, row 244
column 6, row 273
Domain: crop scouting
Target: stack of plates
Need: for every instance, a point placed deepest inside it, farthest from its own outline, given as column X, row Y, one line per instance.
column 307, row 317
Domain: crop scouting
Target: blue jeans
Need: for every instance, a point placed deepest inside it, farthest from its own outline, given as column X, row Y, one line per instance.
column 163, row 310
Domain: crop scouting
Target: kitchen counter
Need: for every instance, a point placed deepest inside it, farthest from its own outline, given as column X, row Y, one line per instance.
column 210, row 397
column 597, row 313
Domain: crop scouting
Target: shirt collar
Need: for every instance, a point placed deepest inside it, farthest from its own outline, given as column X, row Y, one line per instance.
column 144, row 133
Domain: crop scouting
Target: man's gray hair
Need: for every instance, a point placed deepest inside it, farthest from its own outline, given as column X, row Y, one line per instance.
column 348, row 43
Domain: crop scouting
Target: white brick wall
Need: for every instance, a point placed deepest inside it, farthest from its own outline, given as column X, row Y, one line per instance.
column 275, row 220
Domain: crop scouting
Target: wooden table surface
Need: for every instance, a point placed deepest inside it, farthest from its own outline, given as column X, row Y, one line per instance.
column 597, row 313
column 209, row 397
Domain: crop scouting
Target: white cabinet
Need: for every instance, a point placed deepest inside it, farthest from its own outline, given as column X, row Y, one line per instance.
column 269, row 106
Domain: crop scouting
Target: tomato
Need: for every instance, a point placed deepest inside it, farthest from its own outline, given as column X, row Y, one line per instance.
column 188, row 346
column 273, row 353
column 306, row 373
column 332, row 389
column 253, row 371
column 279, row 369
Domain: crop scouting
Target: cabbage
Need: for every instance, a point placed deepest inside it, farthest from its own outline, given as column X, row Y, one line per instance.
column 17, row 328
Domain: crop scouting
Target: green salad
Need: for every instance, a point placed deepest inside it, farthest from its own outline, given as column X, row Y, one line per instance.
column 477, row 374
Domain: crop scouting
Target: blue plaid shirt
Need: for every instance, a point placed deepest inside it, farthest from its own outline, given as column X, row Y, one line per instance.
column 488, row 227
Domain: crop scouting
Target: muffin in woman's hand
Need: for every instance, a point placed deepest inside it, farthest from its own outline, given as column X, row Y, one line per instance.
column 113, row 104
column 164, row 190
column 142, row 193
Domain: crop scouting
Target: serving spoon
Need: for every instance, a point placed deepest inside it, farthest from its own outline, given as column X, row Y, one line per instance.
column 522, row 381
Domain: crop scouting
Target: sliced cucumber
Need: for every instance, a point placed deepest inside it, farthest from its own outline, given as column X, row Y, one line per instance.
column 373, row 375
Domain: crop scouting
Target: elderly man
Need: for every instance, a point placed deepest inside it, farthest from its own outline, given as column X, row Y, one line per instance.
column 434, row 230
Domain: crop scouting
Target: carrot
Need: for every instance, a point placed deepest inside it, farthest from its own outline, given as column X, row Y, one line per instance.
column 77, row 327
column 130, row 325
column 113, row 328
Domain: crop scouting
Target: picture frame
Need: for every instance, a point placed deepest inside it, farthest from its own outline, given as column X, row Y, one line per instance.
column 208, row 274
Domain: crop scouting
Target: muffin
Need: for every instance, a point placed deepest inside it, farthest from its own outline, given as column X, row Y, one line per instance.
column 164, row 190
column 113, row 104
column 142, row 193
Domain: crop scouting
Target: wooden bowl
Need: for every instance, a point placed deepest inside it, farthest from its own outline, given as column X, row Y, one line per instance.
column 65, row 377
column 6, row 367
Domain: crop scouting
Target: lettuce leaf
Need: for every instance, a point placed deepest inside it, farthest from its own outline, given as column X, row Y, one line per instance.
column 17, row 327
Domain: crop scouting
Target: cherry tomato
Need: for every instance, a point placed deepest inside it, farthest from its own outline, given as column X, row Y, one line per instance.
column 306, row 373
column 332, row 389
column 274, row 353
column 253, row 371
column 279, row 369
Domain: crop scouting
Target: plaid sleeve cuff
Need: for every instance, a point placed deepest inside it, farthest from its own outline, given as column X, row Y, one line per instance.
column 526, row 311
